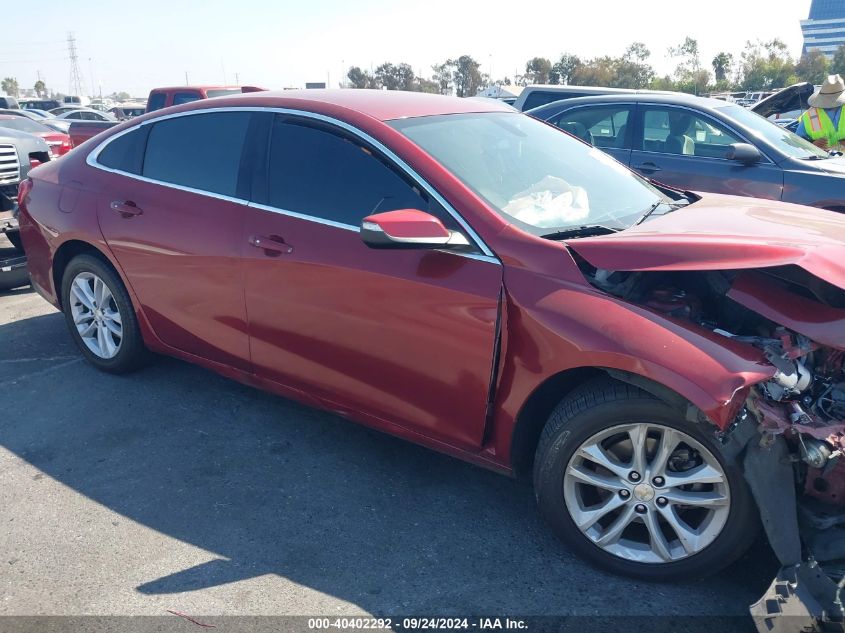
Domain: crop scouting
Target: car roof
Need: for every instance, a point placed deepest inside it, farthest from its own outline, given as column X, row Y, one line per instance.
column 183, row 88
column 383, row 105
column 702, row 103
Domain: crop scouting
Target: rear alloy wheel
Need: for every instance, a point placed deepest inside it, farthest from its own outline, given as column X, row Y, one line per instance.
column 634, row 487
column 96, row 315
column 100, row 315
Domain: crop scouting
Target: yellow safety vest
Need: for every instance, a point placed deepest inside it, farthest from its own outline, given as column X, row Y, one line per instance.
column 818, row 125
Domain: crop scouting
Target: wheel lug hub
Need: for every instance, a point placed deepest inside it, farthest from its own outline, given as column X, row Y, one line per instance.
column 624, row 494
column 634, row 476
column 658, row 481
column 640, row 508
column 662, row 501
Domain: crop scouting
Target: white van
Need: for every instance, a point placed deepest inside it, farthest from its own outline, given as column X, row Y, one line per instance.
column 74, row 100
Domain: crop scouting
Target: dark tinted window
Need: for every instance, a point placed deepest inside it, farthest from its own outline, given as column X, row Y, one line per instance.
column 185, row 97
column 156, row 101
column 318, row 172
column 602, row 126
column 202, row 151
column 125, row 152
column 537, row 98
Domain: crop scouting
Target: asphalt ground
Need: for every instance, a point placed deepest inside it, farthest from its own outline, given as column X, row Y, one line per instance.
column 174, row 489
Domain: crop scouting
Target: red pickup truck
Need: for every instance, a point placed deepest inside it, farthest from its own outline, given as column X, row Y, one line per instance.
column 81, row 131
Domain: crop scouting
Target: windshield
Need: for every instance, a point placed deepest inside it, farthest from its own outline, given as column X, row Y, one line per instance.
column 531, row 173
column 790, row 144
column 23, row 124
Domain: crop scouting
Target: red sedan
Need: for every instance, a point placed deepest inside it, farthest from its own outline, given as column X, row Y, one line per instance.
column 58, row 142
column 474, row 280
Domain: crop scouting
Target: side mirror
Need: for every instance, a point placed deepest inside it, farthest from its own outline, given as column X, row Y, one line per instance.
column 408, row 228
column 743, row 153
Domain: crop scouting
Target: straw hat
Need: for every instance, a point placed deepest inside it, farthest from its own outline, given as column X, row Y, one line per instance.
column 830, row 95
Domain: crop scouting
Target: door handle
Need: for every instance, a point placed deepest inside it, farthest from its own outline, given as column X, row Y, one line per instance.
column 127, row 209
column 648, row 167
column 272, row 245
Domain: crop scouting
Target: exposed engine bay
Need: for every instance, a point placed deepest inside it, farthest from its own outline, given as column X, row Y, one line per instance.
column 789, row 432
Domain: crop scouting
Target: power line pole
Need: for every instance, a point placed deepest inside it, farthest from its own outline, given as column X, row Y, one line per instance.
column 187, row 83
column 75, row 81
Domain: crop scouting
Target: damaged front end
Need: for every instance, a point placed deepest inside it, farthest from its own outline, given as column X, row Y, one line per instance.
column 790, row 433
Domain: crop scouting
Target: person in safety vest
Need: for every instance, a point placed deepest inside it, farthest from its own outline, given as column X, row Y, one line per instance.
column 823, row 123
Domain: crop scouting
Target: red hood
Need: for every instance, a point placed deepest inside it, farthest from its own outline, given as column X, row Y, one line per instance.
column 727, row 233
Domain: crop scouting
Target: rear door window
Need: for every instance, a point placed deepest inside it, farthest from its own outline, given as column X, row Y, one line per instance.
column 200, row 151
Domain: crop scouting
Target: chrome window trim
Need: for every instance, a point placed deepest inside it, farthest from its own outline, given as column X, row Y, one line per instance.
column 486, row 253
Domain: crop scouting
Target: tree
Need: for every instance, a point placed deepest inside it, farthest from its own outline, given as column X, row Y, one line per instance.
column 537, row 70
column 564, row 69
column 813, row 67
column 632, row 70
column 766, row 66
column 360, row 78
column 40, row 89
column 468, row 78
column 10, row 86
column 600, row 71
column 837, row 64
column 722, row 66
column 444, row 76
column 395, row 77
column 689, row 75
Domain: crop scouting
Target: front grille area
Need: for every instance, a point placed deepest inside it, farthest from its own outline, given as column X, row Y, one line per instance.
column 10, row 169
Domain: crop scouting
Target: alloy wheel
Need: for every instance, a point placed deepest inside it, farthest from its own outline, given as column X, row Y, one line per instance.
column 96, row 315
column 647, row 493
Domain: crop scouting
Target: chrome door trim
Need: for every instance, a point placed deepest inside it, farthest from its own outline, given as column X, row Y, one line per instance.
column 91, row 160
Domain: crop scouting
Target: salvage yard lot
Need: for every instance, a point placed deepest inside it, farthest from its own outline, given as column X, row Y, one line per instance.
column 174, row 488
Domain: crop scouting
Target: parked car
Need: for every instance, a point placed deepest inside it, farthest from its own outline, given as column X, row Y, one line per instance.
column 165, row 97
column 85, row 114
column 699, row 144
column 9, row 103
column 471, row 279
column 39, row 104
column 126, row 111
column 58, row 142
column 81, row 131
column 19, row 152
column 62, row 109
column 35, row 113
column 538, row 95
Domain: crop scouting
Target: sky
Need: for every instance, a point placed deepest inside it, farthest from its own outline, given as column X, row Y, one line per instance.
column 277, row 43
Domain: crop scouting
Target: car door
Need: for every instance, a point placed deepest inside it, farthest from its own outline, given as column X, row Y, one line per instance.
column 400, row 337
column 172, row 211
column 606, row 126
column 687, row 149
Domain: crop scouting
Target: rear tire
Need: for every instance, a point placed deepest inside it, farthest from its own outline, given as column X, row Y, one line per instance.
column 628, row 523
column 100, row 316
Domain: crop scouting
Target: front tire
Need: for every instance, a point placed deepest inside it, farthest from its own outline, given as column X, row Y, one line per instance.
column 100, row 316
column 635, row 488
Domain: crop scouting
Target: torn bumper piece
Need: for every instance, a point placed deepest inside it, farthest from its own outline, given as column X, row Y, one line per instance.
column 802, row 598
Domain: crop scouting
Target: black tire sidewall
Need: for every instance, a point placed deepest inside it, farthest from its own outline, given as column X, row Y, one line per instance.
column 132, row 352
column 571, row 431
